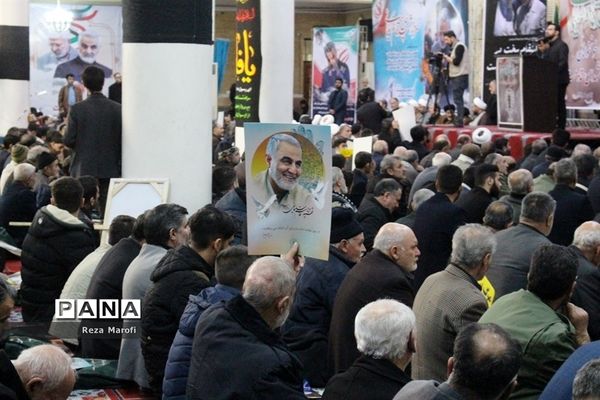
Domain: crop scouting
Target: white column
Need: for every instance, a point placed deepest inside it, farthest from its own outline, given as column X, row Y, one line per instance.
column 277, row 45
column 14, row 64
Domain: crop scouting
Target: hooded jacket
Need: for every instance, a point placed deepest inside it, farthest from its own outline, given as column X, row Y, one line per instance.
column 180, row 273
column 55, row 244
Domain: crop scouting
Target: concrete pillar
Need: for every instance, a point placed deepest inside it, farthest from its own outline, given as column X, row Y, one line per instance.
column 167, row 67
column 277, row 43
column 14, row 64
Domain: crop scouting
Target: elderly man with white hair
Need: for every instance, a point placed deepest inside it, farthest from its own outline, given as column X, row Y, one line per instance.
column 40, row 372
column 236, row 352
column 17, row 203
column 385, row 337
column 420, row 197
column 586, row 244
column 520, row 183
column 426, row 179
column 385, row 272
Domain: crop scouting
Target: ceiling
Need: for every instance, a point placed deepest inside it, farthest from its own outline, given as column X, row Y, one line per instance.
column 337, row 6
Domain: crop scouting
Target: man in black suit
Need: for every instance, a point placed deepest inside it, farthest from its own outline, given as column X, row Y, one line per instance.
column 486, row 190
column 337, row 102
column 384, row 273
column 376, row 211
column 558, row 53
column 114, row 90
column 94, row 133
column 572, row 208
column 436, row 221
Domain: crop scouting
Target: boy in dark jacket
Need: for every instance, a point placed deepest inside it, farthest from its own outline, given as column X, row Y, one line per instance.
column 56, row 243
column 182, row 272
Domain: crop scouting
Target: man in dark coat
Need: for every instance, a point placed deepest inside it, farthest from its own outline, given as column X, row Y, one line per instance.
column 56, row 243
column 386, row 336
column 17, row 203
column 436, row 221
column 586, row 244
column 486, row 190
column 364, row 166
column 94, row 134
column 376, row 211
column 236, row 351
column 572, row 208
column 392, row 167
column 386, row 272
column 558, row 53
column 107, row 283
column 370, row 116
column 182, row 271
column 337, row 102
column 115, row 90
column 515, row 245
column 306, row 331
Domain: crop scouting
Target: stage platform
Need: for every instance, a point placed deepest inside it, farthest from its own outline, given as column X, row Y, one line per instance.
column 517, row 139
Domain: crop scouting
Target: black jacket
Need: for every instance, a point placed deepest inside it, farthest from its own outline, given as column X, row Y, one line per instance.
column 181, row 273
column 306, row 330
column 370, row 116
column 368, row 378
column 405, row 185
column 359, row 186
column 558, row 53
column 572, row 209
column 435, row 223
column 107, row 283
column 374, row 277
column 474, row 203
column 236, row 355
column 586, row 293
column 11, row 386
column 17, row 203
column 372, row 216
column 55, row 244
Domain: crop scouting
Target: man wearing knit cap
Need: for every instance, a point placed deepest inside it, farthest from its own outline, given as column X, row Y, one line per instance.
column 47, row 170
column 18, row 154
column 307, row 328
column 480, row 112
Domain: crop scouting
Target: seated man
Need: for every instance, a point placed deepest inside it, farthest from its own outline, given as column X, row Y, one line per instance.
column 498, row 216
column 40, row 372
column 307, row 328
column 47, row 170
column 231, row 266
column 541, row 319
column 236, row 351
column 385, row 337
column 484, row 365
column 56, row 243
column 376, row 211
column 17, row 203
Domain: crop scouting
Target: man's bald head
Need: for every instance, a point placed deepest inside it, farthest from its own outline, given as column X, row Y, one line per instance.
column 520, row 181
column 471, row 150
column 399, row 243
column 380, row 146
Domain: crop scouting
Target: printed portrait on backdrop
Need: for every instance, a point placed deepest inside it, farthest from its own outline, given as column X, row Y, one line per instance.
column 520, row 18
column 510, row 94
column 288, row 188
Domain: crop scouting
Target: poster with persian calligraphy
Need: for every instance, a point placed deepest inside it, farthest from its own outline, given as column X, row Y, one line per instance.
column 288, row 188
column 335, row 55
column 94, row 36
column 406, row 35
column 248, row 61
column 510, row 28
column 580, row 29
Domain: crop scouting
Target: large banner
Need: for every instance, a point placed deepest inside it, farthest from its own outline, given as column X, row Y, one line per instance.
column 94, row 38
column 511, row 28
column 580, row 22
column 288, row 183
column 335, row 55
column 407, row 34
column 248, row 61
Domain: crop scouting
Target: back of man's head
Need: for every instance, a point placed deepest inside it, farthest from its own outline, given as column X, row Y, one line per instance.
column 520, row 181
column 538, row 146
column 223, row 179
column 23, row 172
column 440, row 159
column 45, row 372
column 380, row 146
column 498, row 215
column 159, row 222
column 471, row 150
column 120, row 228
column 388, row 162
column 537, row 207
column 90, row 187
column 586, row 163
column 93, row 78
column 440, row 144
column 565, row 172
column 384, row 186
column 552, row 273
column 210, row 224
column 483, row 172
column 587, row 236
column 67, row 194
column 449, row 179
column 470, row 244
column 586, row 385
column 560, row 137
column 231, row 266
column 485, row 361
column 138, row 227
column 418, row 133
column 362, row 159
column 420, row 197
column 382, row 329
column 269, row 281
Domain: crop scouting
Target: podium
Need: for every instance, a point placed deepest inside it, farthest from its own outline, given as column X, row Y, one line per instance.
column 526, row 93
